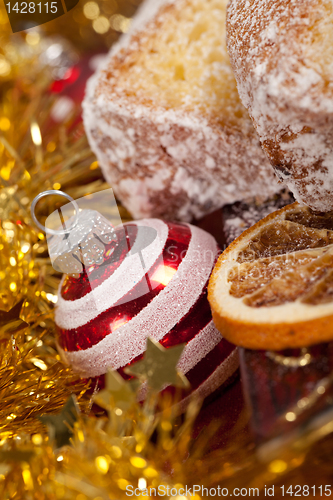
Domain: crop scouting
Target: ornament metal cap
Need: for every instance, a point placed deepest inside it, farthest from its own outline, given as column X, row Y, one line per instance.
column 81, row 240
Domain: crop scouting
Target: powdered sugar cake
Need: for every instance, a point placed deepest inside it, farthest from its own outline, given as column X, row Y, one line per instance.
column 282, row 53
column 164, row 117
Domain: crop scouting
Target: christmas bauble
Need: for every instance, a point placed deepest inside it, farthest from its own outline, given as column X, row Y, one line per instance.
column 152, row 283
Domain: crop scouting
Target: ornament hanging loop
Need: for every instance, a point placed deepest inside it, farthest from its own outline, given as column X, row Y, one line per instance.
column 49, row 230
column 81, row 241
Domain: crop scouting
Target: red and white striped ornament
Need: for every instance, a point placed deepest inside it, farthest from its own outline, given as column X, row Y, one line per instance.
column 105, row 315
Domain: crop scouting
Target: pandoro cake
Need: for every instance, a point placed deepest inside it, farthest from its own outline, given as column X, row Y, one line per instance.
column 282, row 55
column 165, row 120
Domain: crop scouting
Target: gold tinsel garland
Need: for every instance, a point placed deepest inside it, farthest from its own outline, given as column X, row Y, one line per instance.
column 130, row 445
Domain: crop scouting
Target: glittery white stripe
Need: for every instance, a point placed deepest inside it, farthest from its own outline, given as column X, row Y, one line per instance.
column 156, row 319
column 221, row 373
column 194, row 351
column 197, row 348
column 74, row 313
column 217, row 378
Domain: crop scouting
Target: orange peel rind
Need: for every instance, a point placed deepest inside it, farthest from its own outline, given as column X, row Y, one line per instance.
column 272, row 288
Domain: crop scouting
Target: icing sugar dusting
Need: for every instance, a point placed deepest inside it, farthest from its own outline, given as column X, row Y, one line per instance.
column 242, row 215
column 170, row 134
column 282, row 55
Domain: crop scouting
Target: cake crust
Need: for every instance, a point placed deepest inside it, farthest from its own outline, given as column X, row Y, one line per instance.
column 165, row 160
column 282, row 53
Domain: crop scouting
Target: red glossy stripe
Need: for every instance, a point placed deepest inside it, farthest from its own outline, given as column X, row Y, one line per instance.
column 75, row 288
column 191, row 324
column 202, row 370
column 196, row 376
column 90, row 334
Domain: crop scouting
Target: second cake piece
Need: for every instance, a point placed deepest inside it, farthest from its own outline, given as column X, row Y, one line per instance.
column 282, row 53
column 164, row 117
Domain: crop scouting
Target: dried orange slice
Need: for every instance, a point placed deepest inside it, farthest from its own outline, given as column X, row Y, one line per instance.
column 272, row 288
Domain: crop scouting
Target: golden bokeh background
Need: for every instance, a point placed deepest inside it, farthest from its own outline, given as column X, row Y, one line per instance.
column 133, row 446
column 90, row 26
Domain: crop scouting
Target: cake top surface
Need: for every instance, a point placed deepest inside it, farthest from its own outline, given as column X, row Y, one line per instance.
column 175, row 59
column 287, row 47
column 282, row 54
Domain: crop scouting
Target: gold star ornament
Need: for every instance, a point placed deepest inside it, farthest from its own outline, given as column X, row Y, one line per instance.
column 10, row 321
column 117, row 392
column 60, row 424
column 159, row 366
